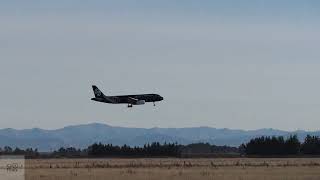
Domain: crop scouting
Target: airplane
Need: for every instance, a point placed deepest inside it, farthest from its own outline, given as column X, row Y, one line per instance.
column 138, row 99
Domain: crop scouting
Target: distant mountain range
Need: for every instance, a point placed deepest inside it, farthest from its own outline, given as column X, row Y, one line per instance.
column 80, row 136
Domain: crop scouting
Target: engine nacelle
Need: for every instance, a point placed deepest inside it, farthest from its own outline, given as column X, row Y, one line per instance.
column 140, row 102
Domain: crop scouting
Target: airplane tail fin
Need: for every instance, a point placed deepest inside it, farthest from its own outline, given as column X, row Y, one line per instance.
column 97, row 92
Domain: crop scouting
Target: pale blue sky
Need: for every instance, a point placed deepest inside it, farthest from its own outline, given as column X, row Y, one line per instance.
column 226, row 64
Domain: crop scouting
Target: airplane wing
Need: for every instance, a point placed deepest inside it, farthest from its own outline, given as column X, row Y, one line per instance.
column 135, row 101
column 132, row 100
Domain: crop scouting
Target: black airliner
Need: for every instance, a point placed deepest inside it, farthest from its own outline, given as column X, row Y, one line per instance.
column 138, row 99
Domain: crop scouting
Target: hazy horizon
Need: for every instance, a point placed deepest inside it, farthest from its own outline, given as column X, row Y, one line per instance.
column 182, row 127
column 231, row 64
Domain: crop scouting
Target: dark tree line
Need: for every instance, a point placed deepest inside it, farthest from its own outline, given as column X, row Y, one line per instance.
column 281, row 146
column 68, row 152
column 154, row 149
column 311, row 145
column 101, row 150
column 261, row 146
column 148, row 150
column 29, row 152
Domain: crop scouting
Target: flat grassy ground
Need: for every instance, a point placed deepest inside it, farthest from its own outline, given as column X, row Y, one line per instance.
column 174, row 169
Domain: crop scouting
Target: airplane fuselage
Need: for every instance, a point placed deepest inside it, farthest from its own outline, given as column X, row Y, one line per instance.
column 137, row 99
column 125, row 99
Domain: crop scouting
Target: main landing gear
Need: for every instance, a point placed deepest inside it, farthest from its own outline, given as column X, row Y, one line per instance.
column 154, row 104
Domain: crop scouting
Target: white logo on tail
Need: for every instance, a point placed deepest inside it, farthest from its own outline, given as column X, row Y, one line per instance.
column 97, row 92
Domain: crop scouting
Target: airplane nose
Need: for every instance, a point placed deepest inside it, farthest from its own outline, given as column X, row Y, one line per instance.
column 161, row 98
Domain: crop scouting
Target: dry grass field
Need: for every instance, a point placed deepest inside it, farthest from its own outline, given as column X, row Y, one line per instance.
column 174, row 169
